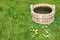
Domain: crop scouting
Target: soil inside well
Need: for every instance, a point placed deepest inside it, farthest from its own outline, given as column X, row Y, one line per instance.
column 43, row 10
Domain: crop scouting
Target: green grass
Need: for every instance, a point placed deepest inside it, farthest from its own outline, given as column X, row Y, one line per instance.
column 16, row 21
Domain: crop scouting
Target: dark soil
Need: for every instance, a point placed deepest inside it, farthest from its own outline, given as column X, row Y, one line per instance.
column 43, row 10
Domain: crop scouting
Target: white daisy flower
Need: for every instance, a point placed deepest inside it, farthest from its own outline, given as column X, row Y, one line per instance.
column 36, row 31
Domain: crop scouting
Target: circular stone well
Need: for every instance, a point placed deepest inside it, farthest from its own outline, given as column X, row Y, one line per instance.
column 43, row 13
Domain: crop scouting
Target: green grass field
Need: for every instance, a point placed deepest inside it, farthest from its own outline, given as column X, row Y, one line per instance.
column 16, row 21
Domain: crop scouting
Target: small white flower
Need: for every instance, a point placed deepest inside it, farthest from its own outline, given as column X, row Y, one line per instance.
column 30, row 30
column 46, row 26
column 33, row 30
column 33, row 36
column 42, row 27
column 43, row 34
column 32, row 27
column 47, row 35
column 36, row 31
column 47, row 31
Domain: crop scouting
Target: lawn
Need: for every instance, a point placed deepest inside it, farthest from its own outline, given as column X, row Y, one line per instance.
column 16, row 21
